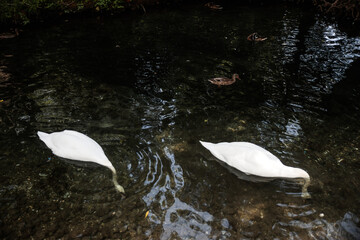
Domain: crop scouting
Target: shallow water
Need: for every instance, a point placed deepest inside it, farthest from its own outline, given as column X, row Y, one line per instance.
column 137, row 84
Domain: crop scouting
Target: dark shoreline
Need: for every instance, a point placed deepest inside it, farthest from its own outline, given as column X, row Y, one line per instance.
column 348, row 17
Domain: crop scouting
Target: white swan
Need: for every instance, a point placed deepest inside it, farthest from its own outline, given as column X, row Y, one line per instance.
column 77, row 146
column 252, row 159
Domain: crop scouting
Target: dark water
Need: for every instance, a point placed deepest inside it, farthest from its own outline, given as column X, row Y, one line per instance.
column 137, row 84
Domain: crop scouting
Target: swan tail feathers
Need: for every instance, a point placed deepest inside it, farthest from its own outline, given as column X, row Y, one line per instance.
column 206, row 145
column 43, row 136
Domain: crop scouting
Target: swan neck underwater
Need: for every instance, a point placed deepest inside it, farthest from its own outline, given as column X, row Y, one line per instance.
column 114, row 178
column 77, row 146
column 291, row 172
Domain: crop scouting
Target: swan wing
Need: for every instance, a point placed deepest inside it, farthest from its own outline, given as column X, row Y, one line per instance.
column 247, row 157
column 251, row 147
column 76, row 146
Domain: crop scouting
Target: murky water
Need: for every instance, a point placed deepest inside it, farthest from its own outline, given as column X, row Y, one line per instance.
column 137, row 84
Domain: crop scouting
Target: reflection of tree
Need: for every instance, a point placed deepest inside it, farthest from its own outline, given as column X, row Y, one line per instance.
column 305, row 23
column 313, row 58
column 345, row 95
column 348, row 8
column 333, row 142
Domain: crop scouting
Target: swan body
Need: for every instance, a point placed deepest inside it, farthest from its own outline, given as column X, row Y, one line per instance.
column 79, row 147
column 223, row 80
column 252, row 159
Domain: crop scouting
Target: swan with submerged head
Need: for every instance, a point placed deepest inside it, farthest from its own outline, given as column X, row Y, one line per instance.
column 252, row 159
column 76, row 146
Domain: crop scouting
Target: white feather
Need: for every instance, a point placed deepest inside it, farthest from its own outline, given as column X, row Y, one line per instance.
column 252, row 159
column 79, row 147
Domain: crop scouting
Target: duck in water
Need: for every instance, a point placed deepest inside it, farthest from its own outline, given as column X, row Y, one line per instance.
column 224, row 80
column 255, row 37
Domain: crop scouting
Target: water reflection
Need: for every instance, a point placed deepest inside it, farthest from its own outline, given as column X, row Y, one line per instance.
column 350, row 225
column 186, row 222
column 320, row 228
column 176, row 217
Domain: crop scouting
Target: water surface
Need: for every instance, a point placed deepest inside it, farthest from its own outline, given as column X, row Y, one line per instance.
column 137, row 84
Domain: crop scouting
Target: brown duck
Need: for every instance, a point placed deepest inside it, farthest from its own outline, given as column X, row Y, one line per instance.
column 255, row 37
column 223, row 80
column 213, row 6
column 9, row 35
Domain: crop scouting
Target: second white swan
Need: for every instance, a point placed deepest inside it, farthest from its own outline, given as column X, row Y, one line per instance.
column 252, row 159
